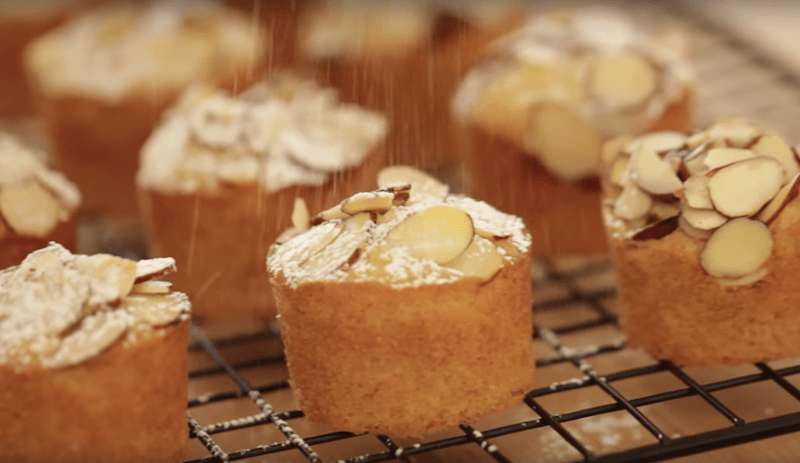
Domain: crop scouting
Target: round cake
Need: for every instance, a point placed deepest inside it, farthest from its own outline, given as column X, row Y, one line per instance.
column 423, row 301
column 220, row 175
column 535, row 112
column 93, row 360
column 702, row 233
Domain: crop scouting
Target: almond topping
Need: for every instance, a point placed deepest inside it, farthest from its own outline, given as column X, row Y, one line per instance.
column 615, row 147
column 786, row 194
column 480, row 259
column 329, row 214
column 738, row 248
column 567, row 145
column 623, row 80
column 692, row 231
column 695, row 192
column 743, row 188
column 95, row 334
column 113, row 277
column 619, row 174
column 737, row 133
column 652, row 174
column 151, row 287
column 422, row 184
column 155, row 311
column 29, row 209
column 378, row 202
column 745, row 280
column 721, row 157
column 660, row 142
column 774, row 147
column 154, row 268
column 301, row 219
column 439, row 233
column 632, row 203
column 704, row 219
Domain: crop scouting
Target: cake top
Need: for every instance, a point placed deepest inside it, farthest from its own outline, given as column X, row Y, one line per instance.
column 33, row 198
column 281, row 132
column 59, row 309
column 383, row 27
column 595, row 72
column 409, row 233
column 723, row 186
column 113, row 51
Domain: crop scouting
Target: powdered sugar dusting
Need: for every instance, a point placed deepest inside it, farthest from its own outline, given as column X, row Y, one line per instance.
column 58, row 309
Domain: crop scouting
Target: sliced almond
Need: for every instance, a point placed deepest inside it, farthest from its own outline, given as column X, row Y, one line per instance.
column 329, row 214
column 377, row 201
column 480, row 260
column 567, row 145
column 151, row 287
column 786, row 194
column 773, row 146
column 58, row 184
column 660, row 142
column 155, row 309
column 632, row 203
column 736, row 133
column 401, row 194
column 312, row 242
column 695, row 192
column 95, row 334
column 301, row 219
column 697, row 139
column 623, row 80
column 422, row 184
column 387, row 217
column 439, row 233
column 358, row 222
column 692, row 231
column 154, row 268
column 657, row 230
column 652, row 174
column 614, row 148
column 662, row 210
column 738, row 248
column 619, row 174
column 721, row 157
column 745, row 280
column 16, row 164
column 343, row 252
column 693, row 166
column 704, row 219
column 29, row 209
column 112, row 277
column 743, row 188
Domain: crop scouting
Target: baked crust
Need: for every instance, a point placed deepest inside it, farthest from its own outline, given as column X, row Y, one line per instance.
column 404, row 362
column 15, row 247
column 220, row 239
column 128, row 404
column 565, row 218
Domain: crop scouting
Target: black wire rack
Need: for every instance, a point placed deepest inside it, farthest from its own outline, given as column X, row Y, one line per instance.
column 595, row 399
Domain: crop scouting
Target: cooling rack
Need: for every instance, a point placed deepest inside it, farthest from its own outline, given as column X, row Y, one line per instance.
column 595, row 398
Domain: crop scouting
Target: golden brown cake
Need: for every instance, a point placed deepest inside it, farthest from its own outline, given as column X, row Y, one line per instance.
column 21, row 23
column 93, row 360
column 37, row 204
column 403, row 58
column 702, row 231
column 535, row 112
column 103, row 79
column 220, row 176
column 423, row 301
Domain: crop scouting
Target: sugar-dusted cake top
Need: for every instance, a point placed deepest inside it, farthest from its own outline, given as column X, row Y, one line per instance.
column 593, row 72
column 59, row 309
column 383, row 27
column 723, row 186
column 122, row 48
column 281, row 132
column 409, row 233
column 33, row 198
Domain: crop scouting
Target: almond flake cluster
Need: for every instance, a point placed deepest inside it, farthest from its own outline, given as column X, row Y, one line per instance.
column 134, row 46
column 723, row 186
column 59, row 309
column 279, row 133
column 33, row 198
column 591, row 73
column 408, row 234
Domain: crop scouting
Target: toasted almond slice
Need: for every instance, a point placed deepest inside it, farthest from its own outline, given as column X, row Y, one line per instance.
column 738, row 248
column 660, row 142
column 29, row 209
column 692, row 231
column 619, row 173
column 786, row 194
column 704, row 219
column 697, row 139
column 151, row 287
column 401, row 194
column 358, row 221
column 624, row 80
column 301, row 219
column 615, row 148
column 330, row 214
column 743, row 188
column 736, row 133
column 652, row 174
column 439, row 233
column 155, row 309
column 94, row 335
column 632, row 203
column 374, row 201
column 657, row 230
column 422, row 184
column 567, row 145
column 112, row 277
column 721, row 157
column 695, row 192
column 58, row 184
column 390, row 215
column 154, row 268
column 745, row 280
column 773, row 146
column 480, row 259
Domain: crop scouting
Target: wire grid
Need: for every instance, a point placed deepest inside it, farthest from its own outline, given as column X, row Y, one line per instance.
column 596, row 400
